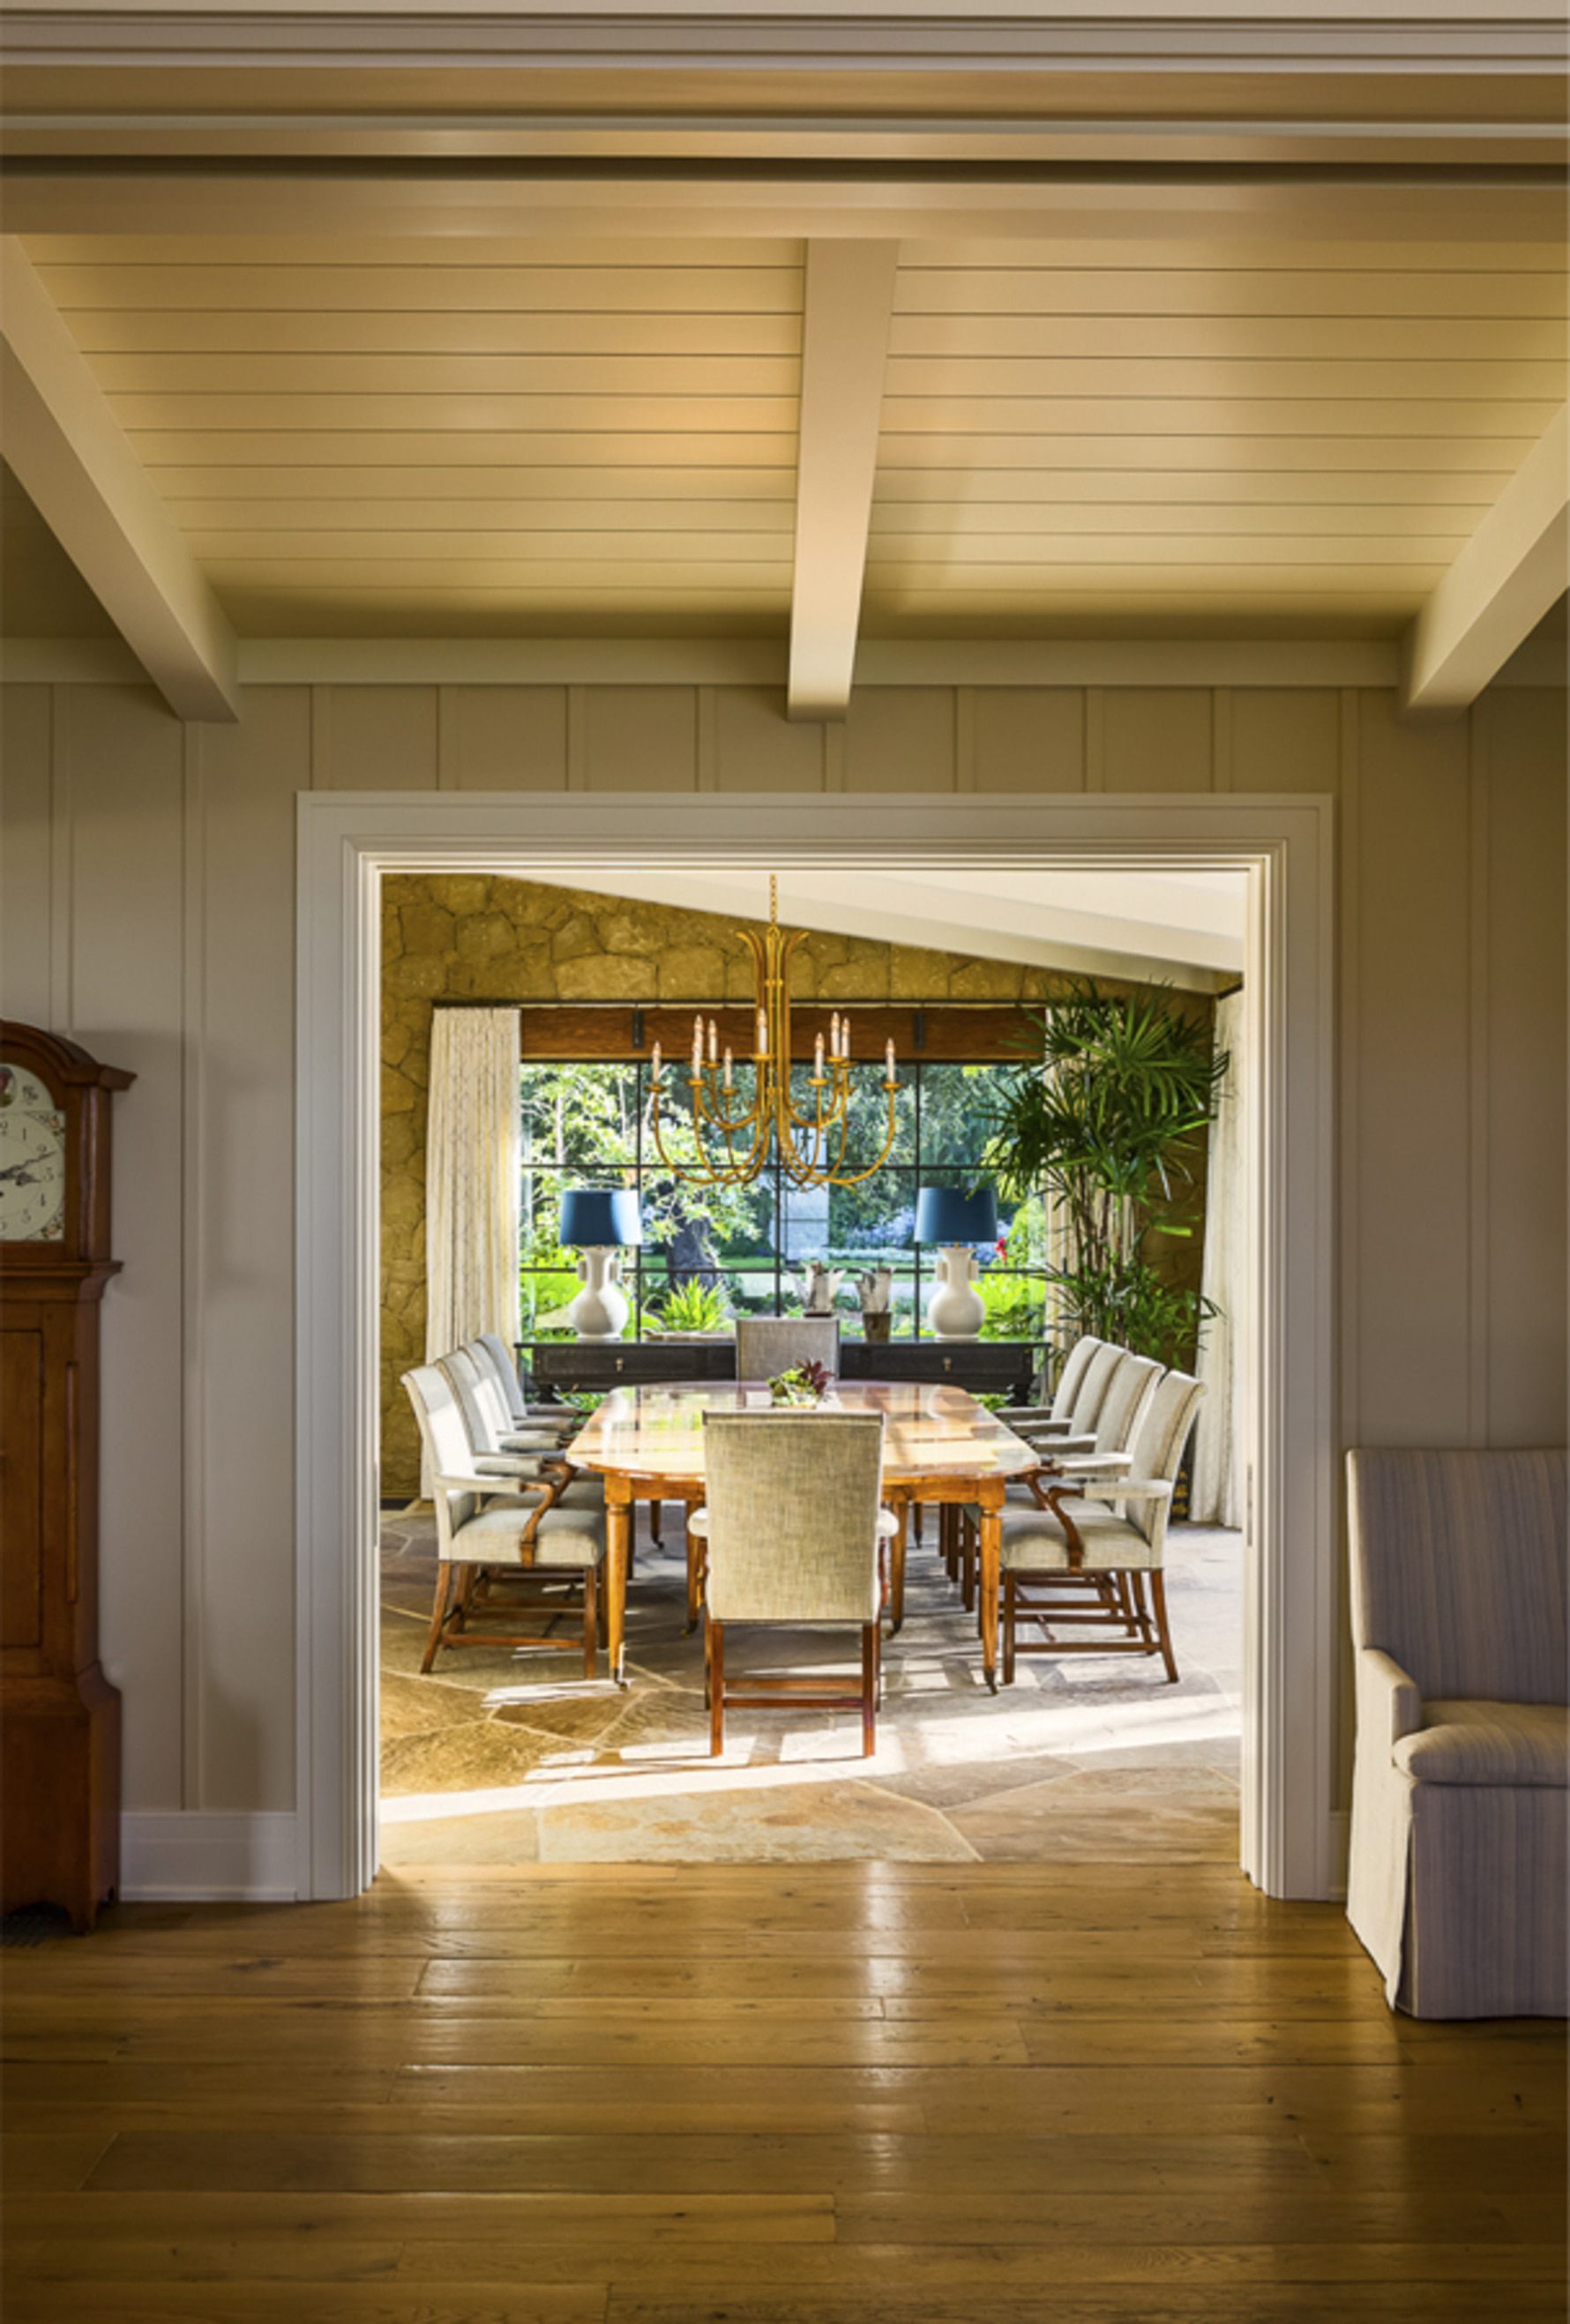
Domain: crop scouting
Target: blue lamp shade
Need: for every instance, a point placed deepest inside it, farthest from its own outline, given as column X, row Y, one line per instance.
column 946, row 1215
column 596, row 1218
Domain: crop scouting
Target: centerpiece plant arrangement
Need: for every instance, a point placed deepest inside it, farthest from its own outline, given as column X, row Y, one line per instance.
column 1104, row 1120
column 804, row 1383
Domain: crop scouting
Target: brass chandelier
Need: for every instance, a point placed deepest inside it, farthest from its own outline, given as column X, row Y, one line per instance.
column 734, row 1141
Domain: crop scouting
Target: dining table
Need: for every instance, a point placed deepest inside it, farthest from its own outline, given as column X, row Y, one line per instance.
column 940, row 1445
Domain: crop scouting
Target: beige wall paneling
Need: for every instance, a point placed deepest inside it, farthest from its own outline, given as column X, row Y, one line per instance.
column 900, row 738
column 1522, row 1064
column 125, row 847
column 1157, row 738
column 240, row 1227
column 1412, row 1098
column 1287, row 740
column 378, row 738
column 503, row 738
column 1028, row 738
column 758, row 749
column 25, row 879
column 640, row 738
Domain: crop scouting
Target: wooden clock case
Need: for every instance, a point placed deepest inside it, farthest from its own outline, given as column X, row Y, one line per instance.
column 59, row 1717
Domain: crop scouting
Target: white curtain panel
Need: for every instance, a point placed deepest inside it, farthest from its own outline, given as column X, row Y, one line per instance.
column 471, row 1165
column 1217, row 1497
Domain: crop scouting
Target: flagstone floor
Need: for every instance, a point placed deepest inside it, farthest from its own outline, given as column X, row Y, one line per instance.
column 502, row 1758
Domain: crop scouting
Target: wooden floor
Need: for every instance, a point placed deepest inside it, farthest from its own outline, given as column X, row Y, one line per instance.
column 855, row 2094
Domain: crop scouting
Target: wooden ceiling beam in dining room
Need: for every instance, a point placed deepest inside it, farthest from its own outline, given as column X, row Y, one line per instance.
column 847, row 312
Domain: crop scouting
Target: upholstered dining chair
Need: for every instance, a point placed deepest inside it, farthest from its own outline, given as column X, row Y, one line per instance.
column 768, row 1346
column 487, row 1527
column 793, row 1532
column 1111, row 1530
column 1106, row 1451
column 1079, row 1421
column 501, row 1451
column 523, row 1412
column 1461, row 1773
column 1058, row 1418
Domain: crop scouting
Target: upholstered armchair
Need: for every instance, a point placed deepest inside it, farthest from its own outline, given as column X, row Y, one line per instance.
column 1089, row 1553
column 792, row 1530
column 501, row 1451
column 1458, row 1869
column 1058, row 1418
column 488, row 1526
column 490, row 1351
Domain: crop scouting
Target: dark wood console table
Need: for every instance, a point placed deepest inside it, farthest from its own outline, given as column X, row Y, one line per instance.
column 980, row 1366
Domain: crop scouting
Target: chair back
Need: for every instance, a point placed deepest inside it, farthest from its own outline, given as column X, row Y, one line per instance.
column 793, row 1515
column 1094, row 1381
column 1458, row 1569
column 489, row 1348
column 768, row 1346
column 1157, row 1447
column 480, row 1400
column 1133, row 1378
column 1071, row 1379
column 446, row 1448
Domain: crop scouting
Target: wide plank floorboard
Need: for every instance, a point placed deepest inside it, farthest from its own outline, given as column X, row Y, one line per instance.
column 847, row 2094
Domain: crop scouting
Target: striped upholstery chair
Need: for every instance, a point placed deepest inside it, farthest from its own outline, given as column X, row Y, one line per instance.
column 768, row 1346
column 1461, row 1778
column 1110, row 1531
column 488, row 1526
column 793, row 1534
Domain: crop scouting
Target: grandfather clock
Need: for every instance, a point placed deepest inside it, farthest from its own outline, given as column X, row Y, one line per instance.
column 59, row 1717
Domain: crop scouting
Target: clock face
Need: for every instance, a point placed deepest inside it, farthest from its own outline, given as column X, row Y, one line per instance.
column 32, row 1159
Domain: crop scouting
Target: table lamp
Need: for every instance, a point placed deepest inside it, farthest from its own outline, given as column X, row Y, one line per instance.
column 599, row 1223
column 956, row 1222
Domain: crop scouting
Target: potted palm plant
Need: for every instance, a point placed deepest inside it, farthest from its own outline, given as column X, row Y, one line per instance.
column 1105, row 1122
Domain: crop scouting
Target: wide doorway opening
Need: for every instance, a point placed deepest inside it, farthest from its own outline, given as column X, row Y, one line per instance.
column 1253, row 1622
column 1121, row 994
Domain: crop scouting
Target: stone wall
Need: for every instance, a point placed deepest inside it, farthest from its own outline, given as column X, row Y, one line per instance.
column 469, row 936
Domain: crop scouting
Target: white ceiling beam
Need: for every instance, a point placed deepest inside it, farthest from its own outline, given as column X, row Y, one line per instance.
column 1075, row 207
column 1513, row 568
column 848, row 307
column 72, row 459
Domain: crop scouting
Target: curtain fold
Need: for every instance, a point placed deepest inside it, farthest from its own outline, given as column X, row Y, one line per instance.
column 472, row 1179
column 1217, row 1497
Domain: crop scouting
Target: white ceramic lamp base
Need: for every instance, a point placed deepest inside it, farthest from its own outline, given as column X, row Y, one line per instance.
column 600, row 1311
column 955, row 1310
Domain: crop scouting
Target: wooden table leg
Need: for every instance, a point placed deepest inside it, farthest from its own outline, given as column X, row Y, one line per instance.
column 619, row 1535
column 990, row 1561
column 897, row 1566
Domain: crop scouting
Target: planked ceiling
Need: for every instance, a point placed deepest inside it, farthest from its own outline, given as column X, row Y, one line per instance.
column 487, row 437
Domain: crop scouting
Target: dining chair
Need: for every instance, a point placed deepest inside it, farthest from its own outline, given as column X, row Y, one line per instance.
column 1106, row 1453
column 768, row 1346
column 489, row 1348
column 488, row 1528
column 501, row 1451
column 1078, row 1423
column 1058, row 1417
column 1112, row 1530
column 793, row 1533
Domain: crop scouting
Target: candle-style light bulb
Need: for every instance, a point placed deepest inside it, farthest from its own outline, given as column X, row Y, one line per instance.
column 712, row 1043
column 834, row 1035
column 817, row 1057
column 762, row 1034
column 729, row 1081
column 654, row 1064
column 889, row 1058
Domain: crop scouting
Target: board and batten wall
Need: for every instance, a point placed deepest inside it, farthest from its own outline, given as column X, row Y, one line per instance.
column 148, row 912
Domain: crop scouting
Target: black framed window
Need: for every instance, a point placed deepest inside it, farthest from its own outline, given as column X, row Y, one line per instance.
column 711, row 1255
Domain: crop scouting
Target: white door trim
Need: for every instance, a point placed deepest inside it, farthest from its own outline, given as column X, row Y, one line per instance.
column 349, row 840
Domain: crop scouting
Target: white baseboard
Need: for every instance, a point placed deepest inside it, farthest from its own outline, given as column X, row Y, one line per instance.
column 201, row 1857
